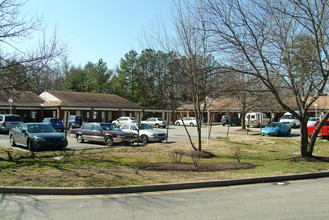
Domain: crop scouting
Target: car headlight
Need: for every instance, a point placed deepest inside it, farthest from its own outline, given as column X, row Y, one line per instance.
column 39, row 139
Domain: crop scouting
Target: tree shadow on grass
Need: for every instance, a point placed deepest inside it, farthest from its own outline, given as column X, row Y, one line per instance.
column 309, row 159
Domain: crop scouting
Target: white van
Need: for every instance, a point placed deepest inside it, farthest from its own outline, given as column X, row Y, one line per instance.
column 256, row 119
column 290, row 120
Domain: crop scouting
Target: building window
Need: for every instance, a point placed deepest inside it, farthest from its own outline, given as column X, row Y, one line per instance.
column 95, row 115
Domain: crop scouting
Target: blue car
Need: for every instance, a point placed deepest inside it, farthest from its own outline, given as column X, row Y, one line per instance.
column 277, row 129
column 56, row 123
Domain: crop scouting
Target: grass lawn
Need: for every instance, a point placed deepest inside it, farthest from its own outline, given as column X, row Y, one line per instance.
column 116, row 166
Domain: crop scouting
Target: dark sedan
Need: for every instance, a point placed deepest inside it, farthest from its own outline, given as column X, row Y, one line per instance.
column 107, row 133
column 37, row 136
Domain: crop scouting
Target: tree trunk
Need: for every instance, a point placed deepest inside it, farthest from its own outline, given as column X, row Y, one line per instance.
column 304, row 140
column 199, row 136
column 243, row 122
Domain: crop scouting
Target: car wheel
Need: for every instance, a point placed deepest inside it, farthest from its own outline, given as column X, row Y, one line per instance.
column 80, row 138
column 177, row 124
column 191, row 124
column 294, row 125
column 157, row 126
column 289, row 132
column 164, row 126
column 12, row 141
column 223, row 124
column 144, row 139
column 279, row 133
column 109, row 141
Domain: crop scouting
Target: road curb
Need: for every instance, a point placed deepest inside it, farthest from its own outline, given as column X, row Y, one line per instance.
column 156, row 187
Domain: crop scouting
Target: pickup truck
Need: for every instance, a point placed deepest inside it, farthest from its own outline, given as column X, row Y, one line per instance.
column 324, row 132
column 107, row 133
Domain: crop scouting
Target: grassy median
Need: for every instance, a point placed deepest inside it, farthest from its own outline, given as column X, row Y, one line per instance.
column 118, row 166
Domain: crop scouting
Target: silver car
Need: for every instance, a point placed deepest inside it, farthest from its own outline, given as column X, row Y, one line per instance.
column 145, row 131
column 188, row 121
column 312, row 121
column 124, row 120
column 156, row 122
column 8, row 121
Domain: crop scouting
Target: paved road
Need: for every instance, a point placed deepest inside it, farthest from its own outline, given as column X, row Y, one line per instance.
column 176, row 133
column 308, row 199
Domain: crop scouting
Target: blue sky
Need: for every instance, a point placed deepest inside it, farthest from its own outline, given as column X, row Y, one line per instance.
column 97, row 29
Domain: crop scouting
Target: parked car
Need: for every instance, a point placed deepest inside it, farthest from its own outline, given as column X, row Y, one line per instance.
column 156, row 122
column 146, row 132
column 256, row 119
column 76, row 121
column 312, row 120
column 324, row 132
column 277, row 129
column 56, row 123
column 290, row 120
column 124, row 120
column 188, row 121
column 37, row 136
column 8, row 121
column 230, row 120
column 104, row 132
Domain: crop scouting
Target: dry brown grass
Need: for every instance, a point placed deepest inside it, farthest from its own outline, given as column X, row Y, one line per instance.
column 123, row 165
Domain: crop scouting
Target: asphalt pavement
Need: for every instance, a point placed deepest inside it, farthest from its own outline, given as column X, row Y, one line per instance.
column 303, row 199
column 175, row 134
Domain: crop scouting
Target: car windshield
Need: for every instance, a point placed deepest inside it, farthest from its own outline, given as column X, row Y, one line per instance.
column 313, row 119
column 288, row 117
column 145, row 127
column 13, row 118
column 40, row 128
column 110, row 127
column 273, row 125
column 56, row 120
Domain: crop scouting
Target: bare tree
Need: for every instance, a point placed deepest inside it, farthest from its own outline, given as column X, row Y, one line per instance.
column 17, row 67
column 266, row 34
column 197, row 66
column 192, row 66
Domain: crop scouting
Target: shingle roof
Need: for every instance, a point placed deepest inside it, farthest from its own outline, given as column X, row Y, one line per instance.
column 83, row 99
column 20, row 98
column 232, row 105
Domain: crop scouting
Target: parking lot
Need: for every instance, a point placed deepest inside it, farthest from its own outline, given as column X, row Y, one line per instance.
column 175, row 133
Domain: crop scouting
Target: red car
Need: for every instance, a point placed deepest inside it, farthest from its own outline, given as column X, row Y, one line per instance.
column 322, row 133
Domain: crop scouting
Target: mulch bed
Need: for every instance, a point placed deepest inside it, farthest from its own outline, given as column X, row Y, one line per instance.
column 203, row 167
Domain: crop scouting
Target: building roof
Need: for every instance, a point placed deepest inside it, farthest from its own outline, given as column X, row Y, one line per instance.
column 232, row 105
column 84, row 99
column 226, row 105
column 322, row 103
column 26, row 98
